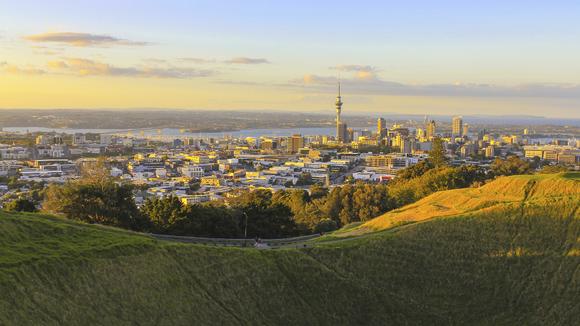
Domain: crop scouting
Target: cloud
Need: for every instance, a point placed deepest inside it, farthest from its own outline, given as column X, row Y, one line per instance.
column 81, row 39
column 87, row 67
column 155, row 60
column 310, row 79
column 247, row 61
column 361, row 72
column 361, row 83
column 354, row 68
column 197, row 60
column 16, row 70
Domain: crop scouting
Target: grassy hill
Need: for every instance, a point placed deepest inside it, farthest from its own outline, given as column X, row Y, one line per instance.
column 511, row 257
column 502, row 193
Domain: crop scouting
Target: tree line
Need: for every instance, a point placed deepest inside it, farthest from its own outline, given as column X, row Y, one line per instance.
column 98, row 198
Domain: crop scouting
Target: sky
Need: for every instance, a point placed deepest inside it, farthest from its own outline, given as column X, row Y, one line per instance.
column 414, row 57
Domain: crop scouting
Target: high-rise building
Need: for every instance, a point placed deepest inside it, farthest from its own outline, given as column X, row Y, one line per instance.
column 268, row 145
column 295, row 143
column 489, row 151
column 406, row 146
column 457, row 126
column 420, row 133
column 342, row 132
column 431, row 130
column 350, row 134
column 381, row 128
column 465, row 129
column 79, row 139
column 42, row 140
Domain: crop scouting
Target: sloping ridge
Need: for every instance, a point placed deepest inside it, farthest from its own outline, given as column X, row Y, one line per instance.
column 504, row 191
column 518, row 264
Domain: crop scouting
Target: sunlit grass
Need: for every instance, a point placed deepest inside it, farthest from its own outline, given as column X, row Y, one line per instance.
column 512, row 262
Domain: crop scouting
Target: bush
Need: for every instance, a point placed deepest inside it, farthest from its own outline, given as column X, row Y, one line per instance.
column 20, row 205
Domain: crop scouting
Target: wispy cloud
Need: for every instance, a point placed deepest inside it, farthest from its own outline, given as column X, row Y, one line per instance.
column 354, row 68
column 359, row 84
column 361, row 72
column 81, row 39
column 155, row 60
column 197, row 60
column 16, row 70
column 87, row 67
column 247, row 61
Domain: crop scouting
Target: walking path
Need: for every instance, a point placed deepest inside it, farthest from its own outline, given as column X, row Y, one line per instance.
column 295, row 242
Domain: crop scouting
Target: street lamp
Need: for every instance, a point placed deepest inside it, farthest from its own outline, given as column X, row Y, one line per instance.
column 246, row 226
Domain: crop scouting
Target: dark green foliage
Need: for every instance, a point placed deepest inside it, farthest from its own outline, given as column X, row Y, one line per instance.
column 437, row 153
column 550, row 169
column 208, row 221
column 266, row 218
column 163, row 212
column 325, row 225
column 510, row 166
column 305, row 179
column 105, row 203
column 21, row 205
column 318, row 192
column 415, row 171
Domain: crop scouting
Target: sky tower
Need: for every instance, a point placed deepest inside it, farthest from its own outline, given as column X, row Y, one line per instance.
column 338, row 104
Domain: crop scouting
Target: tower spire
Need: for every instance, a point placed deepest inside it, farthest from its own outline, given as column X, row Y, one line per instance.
column 339, row 124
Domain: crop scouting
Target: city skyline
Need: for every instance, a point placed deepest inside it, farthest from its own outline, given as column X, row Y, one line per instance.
column 449, row 58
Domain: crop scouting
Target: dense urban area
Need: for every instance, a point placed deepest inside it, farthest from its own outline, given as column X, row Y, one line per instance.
column 271, row 186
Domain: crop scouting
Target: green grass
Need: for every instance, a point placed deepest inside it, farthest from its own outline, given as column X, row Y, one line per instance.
column 539, row 188
column 517, row 263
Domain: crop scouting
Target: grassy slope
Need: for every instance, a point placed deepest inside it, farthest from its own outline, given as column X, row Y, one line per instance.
column 499, row 193
column 516, row 263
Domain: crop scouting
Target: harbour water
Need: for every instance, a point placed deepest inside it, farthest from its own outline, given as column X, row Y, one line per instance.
column 181, row 133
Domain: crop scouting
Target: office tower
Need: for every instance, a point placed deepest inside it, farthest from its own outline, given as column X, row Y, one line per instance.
column 79, row 139
column 431, row 130
column 381, row 128
column 295, row 143
column 342, row 132
column 457, row 126
column 406, row 146
column 465, row 129
column 350, row 135
column 489, row 151
column 420, row 133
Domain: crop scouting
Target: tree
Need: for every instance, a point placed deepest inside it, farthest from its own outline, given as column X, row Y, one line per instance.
column 437, row 152
column 20, row 205
column 416, row 170
column 325, row 225
column 510, row 166
column 163, row 212
column 102, row 202
column 267, row 218
column 318, row 191
column 549, row 169
column 304, row 179
column 208, row 220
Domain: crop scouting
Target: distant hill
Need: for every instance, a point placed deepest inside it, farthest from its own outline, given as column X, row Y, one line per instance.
column 504, row 254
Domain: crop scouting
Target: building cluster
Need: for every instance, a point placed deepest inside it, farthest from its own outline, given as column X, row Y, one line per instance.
column 198, row 170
